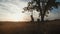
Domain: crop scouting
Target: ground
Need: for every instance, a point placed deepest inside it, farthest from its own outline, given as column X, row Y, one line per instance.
column 47, row 27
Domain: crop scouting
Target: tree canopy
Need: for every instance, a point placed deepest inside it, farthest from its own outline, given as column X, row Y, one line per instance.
column 42, row 8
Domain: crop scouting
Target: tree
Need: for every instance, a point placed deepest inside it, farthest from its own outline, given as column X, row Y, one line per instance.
column 46, row 5
column 29, row 8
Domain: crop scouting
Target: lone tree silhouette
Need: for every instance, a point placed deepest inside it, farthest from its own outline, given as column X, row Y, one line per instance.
column 41, row 6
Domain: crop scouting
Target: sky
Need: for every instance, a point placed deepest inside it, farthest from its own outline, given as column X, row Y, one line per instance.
column 11, row 10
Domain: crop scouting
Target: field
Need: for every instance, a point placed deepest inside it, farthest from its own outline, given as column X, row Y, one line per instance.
column 47, row 27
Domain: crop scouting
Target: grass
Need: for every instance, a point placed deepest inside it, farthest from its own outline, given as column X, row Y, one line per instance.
column 48, row 27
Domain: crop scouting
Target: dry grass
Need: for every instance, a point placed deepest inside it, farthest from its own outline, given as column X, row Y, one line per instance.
column 48, row 27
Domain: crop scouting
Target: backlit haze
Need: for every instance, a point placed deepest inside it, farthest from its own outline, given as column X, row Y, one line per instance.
column 11, row 10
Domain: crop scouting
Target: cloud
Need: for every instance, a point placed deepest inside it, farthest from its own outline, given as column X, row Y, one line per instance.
column 11, row 10
column 54, row 14
column 25, row 0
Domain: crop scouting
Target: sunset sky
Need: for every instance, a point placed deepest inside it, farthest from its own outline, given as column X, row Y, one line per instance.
column 11, row 10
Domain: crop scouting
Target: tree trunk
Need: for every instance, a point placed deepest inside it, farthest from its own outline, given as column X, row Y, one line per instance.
column 42, row 14
column 38, row 20
column 42, row 18
column 32, row 19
